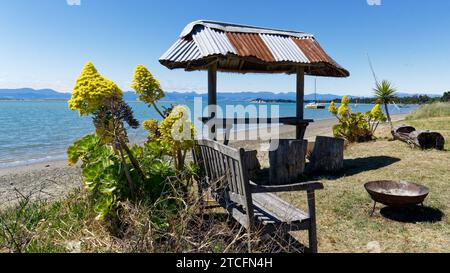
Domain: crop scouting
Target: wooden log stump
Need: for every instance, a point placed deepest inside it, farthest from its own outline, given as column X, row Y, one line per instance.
column 421, row 139
column 287, row 161
column 327, row 156
column 252, row 164
column 427, row 140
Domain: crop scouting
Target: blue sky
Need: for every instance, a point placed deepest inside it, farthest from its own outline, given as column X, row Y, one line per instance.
column 45, row 43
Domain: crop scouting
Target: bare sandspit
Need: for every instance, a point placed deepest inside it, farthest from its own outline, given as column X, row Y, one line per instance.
column 52, row 180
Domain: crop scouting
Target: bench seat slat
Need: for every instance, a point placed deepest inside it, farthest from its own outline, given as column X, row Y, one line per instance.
column 282, row 214
column 279, row 208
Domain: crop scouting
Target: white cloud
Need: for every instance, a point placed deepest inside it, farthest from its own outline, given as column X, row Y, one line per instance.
column 73, row 2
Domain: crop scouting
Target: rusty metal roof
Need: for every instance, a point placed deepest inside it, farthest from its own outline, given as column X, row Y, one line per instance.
column 249, row 49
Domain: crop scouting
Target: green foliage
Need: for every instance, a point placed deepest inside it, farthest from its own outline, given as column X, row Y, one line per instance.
column 355, row 127
column 102, row 172
column 385, row 92
column 37, row 227
column 416, row 99
column 446, row 97
column 438, row 109
column 105, row 179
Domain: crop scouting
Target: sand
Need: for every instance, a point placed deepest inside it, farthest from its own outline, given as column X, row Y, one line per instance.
column 52, row 180
column 47, row 181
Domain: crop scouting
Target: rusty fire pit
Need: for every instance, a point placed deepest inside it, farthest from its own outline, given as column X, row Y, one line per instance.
column 396, row 194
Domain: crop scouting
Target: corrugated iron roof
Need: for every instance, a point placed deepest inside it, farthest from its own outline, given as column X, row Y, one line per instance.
column 211, row 41
column 250, row 45
column 243, row 49
column 284, row 49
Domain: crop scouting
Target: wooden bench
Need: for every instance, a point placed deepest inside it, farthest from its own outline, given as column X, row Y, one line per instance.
column 223, row 173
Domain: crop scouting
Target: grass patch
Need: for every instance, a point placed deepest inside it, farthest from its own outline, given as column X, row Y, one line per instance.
column 69, row 225
column 438, row 109
column 343, row 206
column 43, row 227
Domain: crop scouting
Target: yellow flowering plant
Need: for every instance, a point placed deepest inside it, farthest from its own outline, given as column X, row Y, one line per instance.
column 175, row 134
column 333, row 109
column 91, row 90
column 147, row 87
column 354, row 126
column 111, row 169
column 375, row 116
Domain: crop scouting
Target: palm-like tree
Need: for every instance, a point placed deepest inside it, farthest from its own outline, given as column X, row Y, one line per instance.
column 385, row 93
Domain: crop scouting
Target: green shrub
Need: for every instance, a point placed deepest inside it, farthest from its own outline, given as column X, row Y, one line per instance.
column 355, row 126
column 446, row 97
column 113, row 171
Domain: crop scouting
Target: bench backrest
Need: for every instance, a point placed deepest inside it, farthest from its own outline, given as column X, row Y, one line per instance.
column 225, row 175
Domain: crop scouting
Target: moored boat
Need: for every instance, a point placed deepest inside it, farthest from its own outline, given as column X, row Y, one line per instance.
column 315, row 105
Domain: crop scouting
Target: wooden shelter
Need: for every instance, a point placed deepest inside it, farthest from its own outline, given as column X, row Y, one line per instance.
column 223, row 47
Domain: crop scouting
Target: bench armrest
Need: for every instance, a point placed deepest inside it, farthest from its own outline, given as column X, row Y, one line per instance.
column 306, row 186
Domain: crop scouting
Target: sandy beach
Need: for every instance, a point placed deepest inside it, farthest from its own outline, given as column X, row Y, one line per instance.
column 53, row 179
column 46, row 181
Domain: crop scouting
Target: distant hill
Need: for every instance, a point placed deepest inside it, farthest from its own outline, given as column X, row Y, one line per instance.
column 49, row 94
column 32, row 94
column 246, row 96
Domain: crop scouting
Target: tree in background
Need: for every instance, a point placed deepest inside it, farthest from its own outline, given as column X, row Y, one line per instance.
column 446, row 97
column 386, row 94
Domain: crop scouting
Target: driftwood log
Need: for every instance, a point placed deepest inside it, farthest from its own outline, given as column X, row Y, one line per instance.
column 327, row 155
column 287, row 162
column 420, row 139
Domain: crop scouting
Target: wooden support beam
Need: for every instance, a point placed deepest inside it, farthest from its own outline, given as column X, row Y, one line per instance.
column 300, row 132
column 212, row 97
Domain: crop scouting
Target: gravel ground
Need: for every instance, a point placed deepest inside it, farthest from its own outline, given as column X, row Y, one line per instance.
column 47, row 181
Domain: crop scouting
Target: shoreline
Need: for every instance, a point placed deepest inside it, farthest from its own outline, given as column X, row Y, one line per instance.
column 318, row 127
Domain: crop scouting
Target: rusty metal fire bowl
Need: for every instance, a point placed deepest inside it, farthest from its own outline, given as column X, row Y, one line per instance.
column 396, row 193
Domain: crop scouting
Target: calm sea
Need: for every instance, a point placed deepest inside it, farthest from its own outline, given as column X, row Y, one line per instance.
column 33, row 132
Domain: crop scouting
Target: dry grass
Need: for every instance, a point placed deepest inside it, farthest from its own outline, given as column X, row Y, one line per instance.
column 69, row 225
column 433, row 110
column 343, row 207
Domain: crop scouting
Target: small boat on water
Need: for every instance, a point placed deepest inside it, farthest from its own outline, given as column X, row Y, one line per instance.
column 315, row 104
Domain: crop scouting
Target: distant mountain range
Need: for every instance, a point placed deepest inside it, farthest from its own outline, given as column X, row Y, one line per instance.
column 49, row 94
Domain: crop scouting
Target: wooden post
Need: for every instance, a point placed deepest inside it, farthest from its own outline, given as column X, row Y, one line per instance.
column 287, row 162
column 327, row 156
column 312, row 232
column 212, row 97
column 300, row 132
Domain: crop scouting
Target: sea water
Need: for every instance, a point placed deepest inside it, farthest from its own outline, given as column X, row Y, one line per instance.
column 40, row 131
